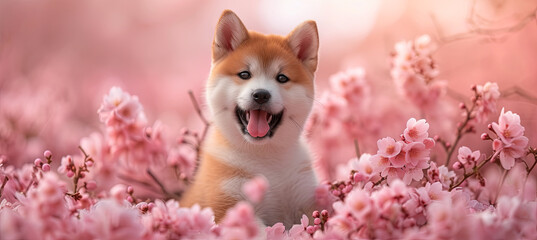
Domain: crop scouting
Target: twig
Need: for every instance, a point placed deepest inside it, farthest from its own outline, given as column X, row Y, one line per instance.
column 197, row 107
column 356, row 148
column 460, row 132
column 379, row 181
column 159, row 183
column 516, row 90
column 477, row 30
column 500, row 185
column 3, row 185
column 528, row 169
column 203, row 119
column 466, row 176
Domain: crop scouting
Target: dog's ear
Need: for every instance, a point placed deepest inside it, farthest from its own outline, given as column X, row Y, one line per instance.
column 230, row 33
column 304, row 40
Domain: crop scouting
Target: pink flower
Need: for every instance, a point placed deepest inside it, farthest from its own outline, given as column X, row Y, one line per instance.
column 379, row 163
column 239, row 222
column 416, row 131
column 351, row 86
column 486, row 103
column 276, row 232
column 511, row 143
column 392, row 173
column 47, row 200
column 388, row 147
column 168, row 220
column 119, row 106
column 184, row 159
column 416, row 153
column 109, row 220
column 414, row 72
column 359, row 204
column 255, row 188
column 441, row 174
column 414, row 173
column 466, row 156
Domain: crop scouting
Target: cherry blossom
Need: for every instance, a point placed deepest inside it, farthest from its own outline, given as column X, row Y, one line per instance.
column 511, row 142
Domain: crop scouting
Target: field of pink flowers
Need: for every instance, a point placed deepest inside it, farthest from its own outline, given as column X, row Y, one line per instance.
column 433, row 137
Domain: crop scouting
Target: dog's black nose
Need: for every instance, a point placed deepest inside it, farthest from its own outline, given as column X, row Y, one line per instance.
column 261, row 96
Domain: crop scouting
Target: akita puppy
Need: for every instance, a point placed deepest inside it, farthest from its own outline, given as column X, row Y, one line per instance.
column 260, row 93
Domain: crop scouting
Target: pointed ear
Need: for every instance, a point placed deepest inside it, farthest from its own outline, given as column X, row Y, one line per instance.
column 304, row 40
column 230, row 33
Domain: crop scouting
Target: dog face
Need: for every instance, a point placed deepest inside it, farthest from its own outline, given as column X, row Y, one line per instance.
column 260, row 89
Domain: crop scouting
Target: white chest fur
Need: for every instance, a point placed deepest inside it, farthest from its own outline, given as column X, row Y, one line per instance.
column 292, row 181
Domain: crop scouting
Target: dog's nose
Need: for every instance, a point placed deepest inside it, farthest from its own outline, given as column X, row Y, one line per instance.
column 261, row 96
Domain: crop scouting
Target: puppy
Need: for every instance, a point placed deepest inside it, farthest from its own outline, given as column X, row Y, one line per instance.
column 260, row 93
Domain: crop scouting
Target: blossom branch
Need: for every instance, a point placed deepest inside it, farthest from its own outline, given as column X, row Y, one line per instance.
column 461, row 129
column 516, row 90
column 79, row 173
column 3, row 185
column 161, row 186
column 200, row 114
column 482, row 31
column 474, row 172
column 532, row 151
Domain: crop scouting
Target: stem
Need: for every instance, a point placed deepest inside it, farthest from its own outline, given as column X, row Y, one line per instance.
column 3, row 185
column 528, row 169
column 356, row 148
column 500, row 185
column 379, row 181
column 197, row 107
column 83, row 152
column 532, row 166
column 460, row 132
column 466, row 176
column 203, row 119
column 162, row 188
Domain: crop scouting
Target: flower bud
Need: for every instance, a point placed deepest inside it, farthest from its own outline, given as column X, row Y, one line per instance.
column 457, row 165
column 150, row 206
column 485, row 136
column 462, row 105
column 38, row 162
column 70, row 174
column 336, row 192
column 316, row 214
column 91, row 185
column 45, row 167
column 474, row 87
column 130, row 190
column 143, row 206
column 317, row 221
column 47, row 154
column 310, row 230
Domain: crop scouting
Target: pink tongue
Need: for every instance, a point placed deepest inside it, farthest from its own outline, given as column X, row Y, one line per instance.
column 258, row 125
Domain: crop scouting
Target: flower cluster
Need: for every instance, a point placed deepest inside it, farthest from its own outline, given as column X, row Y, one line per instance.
column 510, row 143
column 414, row 72
column 405, row 159
column 400, row 191
column 486, row 97
column 130, row 140
column 338, row 119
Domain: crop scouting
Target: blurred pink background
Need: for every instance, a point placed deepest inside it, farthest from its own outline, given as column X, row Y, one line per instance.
column 58, row 58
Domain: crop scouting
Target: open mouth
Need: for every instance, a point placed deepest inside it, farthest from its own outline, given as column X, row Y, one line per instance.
column 258, row 123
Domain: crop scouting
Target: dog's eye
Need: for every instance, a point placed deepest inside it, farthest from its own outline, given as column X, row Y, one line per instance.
column 282, row 78
column 245, row 75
